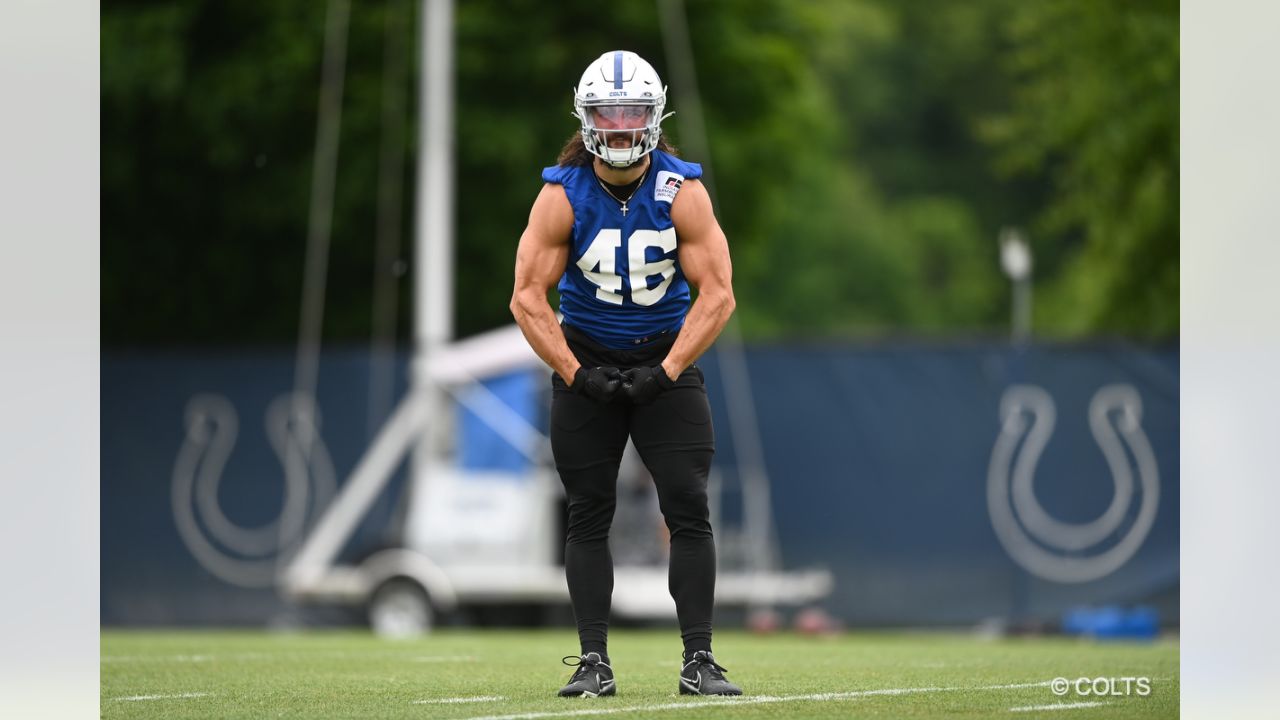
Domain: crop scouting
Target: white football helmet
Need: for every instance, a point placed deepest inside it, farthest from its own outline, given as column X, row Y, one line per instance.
column 619, row 101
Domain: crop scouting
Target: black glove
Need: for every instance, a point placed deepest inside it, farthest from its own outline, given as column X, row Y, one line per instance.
column 598, row 383
column 643, row 384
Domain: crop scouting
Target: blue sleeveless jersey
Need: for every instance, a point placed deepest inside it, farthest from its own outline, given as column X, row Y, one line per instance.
column 622, row 284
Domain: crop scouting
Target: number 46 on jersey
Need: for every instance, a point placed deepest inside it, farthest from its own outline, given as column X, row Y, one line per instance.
column 602, row 251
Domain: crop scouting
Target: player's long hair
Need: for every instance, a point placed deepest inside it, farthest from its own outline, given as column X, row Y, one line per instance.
column 575, row 152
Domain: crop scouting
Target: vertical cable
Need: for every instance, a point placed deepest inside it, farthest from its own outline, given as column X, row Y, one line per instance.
column 387, row 265
column 319, row 229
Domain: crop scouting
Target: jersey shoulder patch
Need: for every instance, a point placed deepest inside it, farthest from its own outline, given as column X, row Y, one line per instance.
column 672, row 172
column 666, row 185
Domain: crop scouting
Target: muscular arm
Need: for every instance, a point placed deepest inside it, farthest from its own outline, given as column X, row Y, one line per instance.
column 540, row 261
column 704, row 258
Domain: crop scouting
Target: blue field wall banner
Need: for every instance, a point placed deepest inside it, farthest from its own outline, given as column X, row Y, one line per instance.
column 946, row 485
column 941, row 485
column 195, row 501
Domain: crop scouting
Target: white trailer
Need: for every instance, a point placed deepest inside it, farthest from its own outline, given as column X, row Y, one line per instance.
column 484, row 537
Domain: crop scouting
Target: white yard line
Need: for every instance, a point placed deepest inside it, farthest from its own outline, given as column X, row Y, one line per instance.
column 284, row 655
column 179, row 696
column 1056, row 706
column 450, row 701
column 751, row 700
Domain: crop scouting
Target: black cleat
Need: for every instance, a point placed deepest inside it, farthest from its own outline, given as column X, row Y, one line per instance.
column 702, row 675
column 593, row 678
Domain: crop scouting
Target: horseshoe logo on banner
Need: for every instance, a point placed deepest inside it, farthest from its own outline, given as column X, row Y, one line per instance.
column 1046, row 546
column 248, row 556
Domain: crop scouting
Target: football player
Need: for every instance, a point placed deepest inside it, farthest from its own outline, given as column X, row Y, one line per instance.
column 625, row 228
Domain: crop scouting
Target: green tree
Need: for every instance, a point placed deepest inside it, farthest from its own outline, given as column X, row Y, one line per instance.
column 866, row 152
column 1096, row 112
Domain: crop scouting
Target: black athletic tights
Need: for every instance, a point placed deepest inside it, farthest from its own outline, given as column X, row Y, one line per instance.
column 674, row 437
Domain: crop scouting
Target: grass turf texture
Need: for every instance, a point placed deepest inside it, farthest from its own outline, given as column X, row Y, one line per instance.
column 330, row 674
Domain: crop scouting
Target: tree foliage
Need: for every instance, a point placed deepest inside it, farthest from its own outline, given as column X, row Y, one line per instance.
column 1095, row 111
column 866, row 153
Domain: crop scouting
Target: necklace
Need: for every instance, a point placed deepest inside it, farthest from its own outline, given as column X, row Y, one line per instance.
column 633, row 192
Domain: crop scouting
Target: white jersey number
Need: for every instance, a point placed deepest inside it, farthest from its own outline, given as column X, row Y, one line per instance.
column 599, row 266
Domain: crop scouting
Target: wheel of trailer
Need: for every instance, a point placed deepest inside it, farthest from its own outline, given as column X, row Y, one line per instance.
column 400, row 608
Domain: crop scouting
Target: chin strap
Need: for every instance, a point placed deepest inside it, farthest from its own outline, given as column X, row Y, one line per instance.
column 631, row 164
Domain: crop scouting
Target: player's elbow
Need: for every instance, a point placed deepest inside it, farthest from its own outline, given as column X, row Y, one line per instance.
column 522, row 303
column 724, row 301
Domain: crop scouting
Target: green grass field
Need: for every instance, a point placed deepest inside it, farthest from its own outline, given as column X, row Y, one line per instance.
column 515, row 674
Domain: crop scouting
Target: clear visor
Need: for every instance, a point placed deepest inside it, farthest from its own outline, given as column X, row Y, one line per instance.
column 620, row 127
column 621, row 117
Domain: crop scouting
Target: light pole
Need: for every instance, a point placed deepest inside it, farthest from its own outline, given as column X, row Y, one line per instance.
column 1015, row 259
